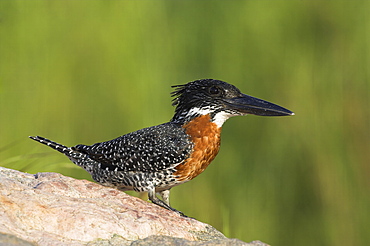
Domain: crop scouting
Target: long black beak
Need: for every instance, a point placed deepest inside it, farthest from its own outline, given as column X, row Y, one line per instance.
column 250, row 105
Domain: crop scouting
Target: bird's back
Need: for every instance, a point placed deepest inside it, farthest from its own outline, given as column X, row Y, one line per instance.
column 147, row 150
column 139, row 159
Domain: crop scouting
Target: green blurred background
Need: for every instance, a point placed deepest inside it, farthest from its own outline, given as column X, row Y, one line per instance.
column 89, row 71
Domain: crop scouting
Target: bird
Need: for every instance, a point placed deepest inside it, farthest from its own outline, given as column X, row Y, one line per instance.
column 157, row 158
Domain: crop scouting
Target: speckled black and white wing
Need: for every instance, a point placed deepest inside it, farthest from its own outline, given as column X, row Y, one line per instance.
column 147, row 150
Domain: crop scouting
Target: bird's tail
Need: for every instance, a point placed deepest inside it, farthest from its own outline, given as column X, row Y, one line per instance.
column 71, row 153
column 61, row 148
column 78, row 158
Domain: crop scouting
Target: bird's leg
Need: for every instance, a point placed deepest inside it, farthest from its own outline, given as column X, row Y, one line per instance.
column 154, row 199
column 165, row 194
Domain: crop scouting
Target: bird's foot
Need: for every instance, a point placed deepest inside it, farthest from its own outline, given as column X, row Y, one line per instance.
column 166, row 206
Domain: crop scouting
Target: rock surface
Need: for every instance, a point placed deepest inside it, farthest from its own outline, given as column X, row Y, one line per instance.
column 51, row 209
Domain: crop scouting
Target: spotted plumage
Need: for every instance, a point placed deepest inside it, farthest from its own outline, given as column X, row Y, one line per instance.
column 157, row 158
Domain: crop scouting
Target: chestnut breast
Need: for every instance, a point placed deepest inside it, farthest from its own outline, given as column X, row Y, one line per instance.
column 206, row 138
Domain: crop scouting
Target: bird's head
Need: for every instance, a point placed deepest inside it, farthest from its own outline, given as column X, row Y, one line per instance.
column 220, row 100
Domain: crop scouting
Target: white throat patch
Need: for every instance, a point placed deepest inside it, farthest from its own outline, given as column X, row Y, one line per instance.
column 219, row 119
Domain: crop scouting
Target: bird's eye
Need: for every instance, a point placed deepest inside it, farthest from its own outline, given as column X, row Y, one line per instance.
column 214, row 90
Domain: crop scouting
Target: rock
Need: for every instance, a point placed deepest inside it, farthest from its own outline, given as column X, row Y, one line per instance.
column 166, row 240
column 52, row 209
column 10, row 240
